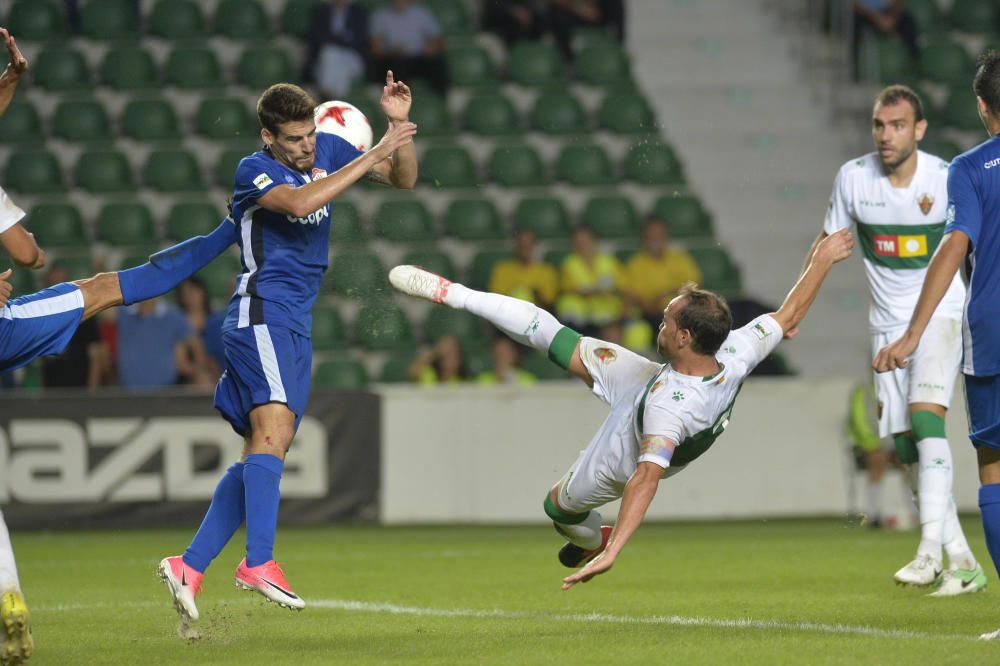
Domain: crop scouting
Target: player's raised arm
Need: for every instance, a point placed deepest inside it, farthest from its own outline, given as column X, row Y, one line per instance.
column 17, row 66
column 400, row 169
column 834, row 248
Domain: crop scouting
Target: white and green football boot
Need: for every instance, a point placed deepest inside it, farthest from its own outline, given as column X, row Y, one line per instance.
column 954, row 582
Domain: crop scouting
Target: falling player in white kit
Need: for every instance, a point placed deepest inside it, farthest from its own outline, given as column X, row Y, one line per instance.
column 663, row 415
column 895, row 200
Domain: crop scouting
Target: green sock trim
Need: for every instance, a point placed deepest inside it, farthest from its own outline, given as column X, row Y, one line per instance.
column 560, row 516
column 906, row 449
column 561, row 349
column 926, row 424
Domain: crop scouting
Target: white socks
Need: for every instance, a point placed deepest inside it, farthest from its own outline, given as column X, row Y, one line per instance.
column 524, row 322
column 8, row 568
column 938, row 515
column 959, row 553
column 586, row 535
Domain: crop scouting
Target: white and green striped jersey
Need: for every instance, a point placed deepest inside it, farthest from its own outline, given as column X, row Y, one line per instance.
column 898, row 230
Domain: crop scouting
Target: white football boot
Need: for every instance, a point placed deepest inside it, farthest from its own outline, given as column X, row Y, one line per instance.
column 921, row 572
column 415, row 281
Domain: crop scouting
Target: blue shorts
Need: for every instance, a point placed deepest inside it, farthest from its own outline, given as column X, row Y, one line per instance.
column 982, row 399
column 263, row 364
column 39, row 324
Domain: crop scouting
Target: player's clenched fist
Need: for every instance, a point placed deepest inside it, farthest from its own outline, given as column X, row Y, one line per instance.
column 398, row 134
column 895, row 354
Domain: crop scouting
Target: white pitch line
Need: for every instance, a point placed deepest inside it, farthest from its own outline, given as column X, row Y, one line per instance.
column 594, row 618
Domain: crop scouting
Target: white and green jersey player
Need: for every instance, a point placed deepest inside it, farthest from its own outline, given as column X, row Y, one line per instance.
column 663, row 415
column 895, row 201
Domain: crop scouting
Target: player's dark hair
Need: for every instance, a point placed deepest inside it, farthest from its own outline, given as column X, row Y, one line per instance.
column 706, row 315
column 986, row 84
column 284, row 103
column 894, row 94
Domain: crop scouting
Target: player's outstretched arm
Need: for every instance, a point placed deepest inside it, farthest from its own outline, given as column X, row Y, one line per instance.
column 399, row 170
column 16, row 66
column 834, row 248
column 639, row 493
column 22, row 248
column 945, row 262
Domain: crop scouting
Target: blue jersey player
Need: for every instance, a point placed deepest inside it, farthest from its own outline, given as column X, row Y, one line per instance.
column 281, row 206
column 972, row 240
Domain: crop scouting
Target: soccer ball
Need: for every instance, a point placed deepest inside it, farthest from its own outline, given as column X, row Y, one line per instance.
column 346, row 121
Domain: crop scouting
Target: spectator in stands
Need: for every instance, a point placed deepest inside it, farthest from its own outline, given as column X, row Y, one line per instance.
column 506, row 366
column 444, row 363
column 337, row 47
column 86, row 361
column 406, row 38
column 156, row 346
column 523, row 276
column 885, row 17
column 591, row 283
column 565, row 16
column 656, row 272
column 196, row 304
column 514, row 20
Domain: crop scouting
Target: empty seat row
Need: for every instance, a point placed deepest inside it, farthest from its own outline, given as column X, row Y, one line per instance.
column 537, row 64
column 38, row 172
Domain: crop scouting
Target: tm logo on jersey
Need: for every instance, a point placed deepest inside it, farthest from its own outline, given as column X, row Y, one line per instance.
column 887, row 245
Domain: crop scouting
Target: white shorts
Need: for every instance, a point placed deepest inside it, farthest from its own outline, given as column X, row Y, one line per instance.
column 929, row 377
column 600, row 473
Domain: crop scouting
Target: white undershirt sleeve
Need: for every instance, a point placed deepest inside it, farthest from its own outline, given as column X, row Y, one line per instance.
column 10, row 213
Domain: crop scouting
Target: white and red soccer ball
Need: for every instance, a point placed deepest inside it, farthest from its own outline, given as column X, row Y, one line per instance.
column 346, row 121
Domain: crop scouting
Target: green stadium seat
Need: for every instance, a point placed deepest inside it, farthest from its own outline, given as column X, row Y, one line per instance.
column 491, row 114
column 345, row 374
column 173, row 171
column 396, row 368
column 31, row 20
column 947, row 62
column 21, row 124
column 79, row 264
column 611, row 217
column 104, row 171
column 960, row 111
column 436, row 261
column 973, row 16
column 584, row 165
column 586, row 36
column 22, row 280
column 473, row 220
column 626, row 113
column 541, row 367
column 653, row 164
column 470, row 67
column 517, row 166
column 177, row 19
column 546, row 216
column 242, row 19
column 602, row 64
column 192, row 218
column 684, row 216
column 296, row 17
column 373, row 113
column 927, row 14
column 220, row 276
column 328, row 330
column 451, row 15
column 555, row 256
column 225, row 118
column 109, row 19
column 260, row 67
column 150, row 120
column 358, row 275
column 448, row 166
column 943, row 147
column 719, row 273
column 535, row 64
column 62, row 68
column 557, row 112
column 194, row 67
column 465, row 326
column 126, row 223
column 33, row 172
column 894, row 63
column 431, row 116
column 130, row 68
column 345, row 223
column 57, row 225
column 382, row 326
column 81, row 120
column 482, row 267
column 229, row 160
column 404, row 221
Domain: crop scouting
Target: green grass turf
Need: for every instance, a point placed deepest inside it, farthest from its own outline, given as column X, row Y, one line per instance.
column 95, row 600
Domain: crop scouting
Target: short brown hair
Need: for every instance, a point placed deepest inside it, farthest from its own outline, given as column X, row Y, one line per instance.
column 706, row 315
column 284, row 103
column 986, row 84
column 894, row 94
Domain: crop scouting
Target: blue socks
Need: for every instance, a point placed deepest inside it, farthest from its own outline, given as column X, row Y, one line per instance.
column 261, row 477
column 224, row 517
column 168, row 268
column 989, row 506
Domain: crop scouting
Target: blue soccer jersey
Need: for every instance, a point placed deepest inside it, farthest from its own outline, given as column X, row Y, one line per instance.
column 283, row 257
column 974, row 209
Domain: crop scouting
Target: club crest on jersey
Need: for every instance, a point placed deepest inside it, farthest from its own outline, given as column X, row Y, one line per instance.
column 318, row 173
column 605, row 354
column 926, row 202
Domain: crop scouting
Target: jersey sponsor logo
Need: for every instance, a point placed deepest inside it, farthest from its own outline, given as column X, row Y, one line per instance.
column 761, row 332
column 926, row 202
column 900, row 246
column 992, row 163
column 873, row 204
column 314, row 217
column 319, row 173
column 262, row 181
column 605, row 354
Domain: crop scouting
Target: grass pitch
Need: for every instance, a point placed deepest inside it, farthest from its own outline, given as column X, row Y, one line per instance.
column 765, row 592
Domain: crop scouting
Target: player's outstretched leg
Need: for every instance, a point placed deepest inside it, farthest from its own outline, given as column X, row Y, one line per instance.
column 586, row 537
column 17, row 644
